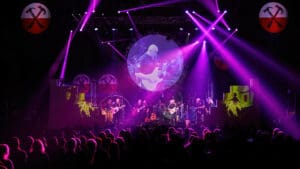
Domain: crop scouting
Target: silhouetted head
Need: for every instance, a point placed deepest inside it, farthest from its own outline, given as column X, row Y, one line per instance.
column 14, row 142
column 38, row 146
column 4, row 151
column 152, row 50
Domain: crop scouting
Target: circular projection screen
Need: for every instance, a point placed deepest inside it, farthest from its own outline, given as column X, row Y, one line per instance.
column 155, row 62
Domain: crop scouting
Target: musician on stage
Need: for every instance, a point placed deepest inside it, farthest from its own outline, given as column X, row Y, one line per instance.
column 107, row 111
column 200, row 111
column 118, row 111
column 141, row 111
column 172, row 112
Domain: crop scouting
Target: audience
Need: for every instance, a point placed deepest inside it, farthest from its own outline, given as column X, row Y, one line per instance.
column 153, row 146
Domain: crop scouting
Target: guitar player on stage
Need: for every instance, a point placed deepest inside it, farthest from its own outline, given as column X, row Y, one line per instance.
column 107, row 111
column 200, row 111
column 149, row 71
column 118, row 111
column 141, row 111
column 172, row 114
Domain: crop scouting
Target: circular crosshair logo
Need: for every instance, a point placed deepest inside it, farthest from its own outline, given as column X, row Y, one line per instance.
column 83, row 82
column 155, row 62
column 108, row 83
column 35, row 18
column 273, row 17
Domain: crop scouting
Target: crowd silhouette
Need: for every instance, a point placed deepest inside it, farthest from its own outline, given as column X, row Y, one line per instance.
column 146, row 146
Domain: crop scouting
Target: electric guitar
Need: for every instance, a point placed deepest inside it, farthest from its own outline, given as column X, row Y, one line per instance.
column 117, row 108
column 200, row 109
column 140, row 108
column 172, row 110
column 150, row 80
column 137, row 110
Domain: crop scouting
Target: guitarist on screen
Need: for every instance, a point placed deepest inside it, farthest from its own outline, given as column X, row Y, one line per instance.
column 149, row 71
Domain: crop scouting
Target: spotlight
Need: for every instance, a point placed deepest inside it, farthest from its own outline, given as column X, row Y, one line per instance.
column 71, row 30
column 102, row 14
column 93, row 11
column 196, row 28
column 218, row 11
column 96, row 29
column 85, row 12
column 188, row 33
column 229, row 29
column 225, row 11
column 186, row 11
column 127, row 12
column 236, row 29
column 119, row 11
column 130, row 29
column 113, row 29
column 181, row 29
column 197, row 41
column 204, row 42
column 213, row 28
column 193, row 12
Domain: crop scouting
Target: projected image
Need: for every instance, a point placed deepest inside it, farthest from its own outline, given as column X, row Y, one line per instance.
column 155, row 62
column 82, row 81
column 237, row 99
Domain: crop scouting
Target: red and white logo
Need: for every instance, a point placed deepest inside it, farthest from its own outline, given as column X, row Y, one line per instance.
column 35, row 18
column 108, row 83
column 273, row 17
column 83, row 82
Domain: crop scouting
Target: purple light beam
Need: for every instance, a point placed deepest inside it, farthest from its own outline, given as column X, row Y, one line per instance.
column 63, row 70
